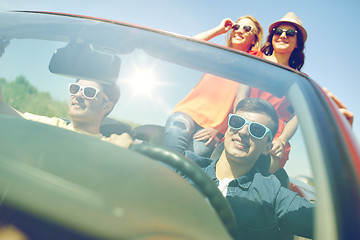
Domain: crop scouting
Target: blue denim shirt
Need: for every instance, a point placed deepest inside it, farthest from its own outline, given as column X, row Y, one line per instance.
column 262, row 207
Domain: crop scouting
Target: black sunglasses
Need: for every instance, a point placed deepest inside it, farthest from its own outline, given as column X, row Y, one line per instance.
column 88, row 92
column 256, row 130
column 246, row 28
column 289, row 32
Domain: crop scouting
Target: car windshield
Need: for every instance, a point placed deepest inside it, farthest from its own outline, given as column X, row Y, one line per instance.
column 156, row 71
column 43, row 53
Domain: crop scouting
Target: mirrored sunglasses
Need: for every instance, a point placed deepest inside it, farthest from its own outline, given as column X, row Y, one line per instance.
column 289, row 33
column 88, row 92
column 246, row 28
column 255, row 129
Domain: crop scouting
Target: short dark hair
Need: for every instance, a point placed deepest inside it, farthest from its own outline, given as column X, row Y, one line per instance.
column 259, row 105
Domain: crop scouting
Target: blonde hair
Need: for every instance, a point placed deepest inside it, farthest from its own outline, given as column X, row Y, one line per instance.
column 258, row 32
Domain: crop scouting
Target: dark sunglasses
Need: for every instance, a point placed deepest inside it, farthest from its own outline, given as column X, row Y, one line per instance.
column 256, row 130
column 289, row 32
column 88, row 92
column 246, row 28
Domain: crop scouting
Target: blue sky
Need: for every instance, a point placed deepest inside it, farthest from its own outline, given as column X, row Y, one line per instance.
column 332, row 28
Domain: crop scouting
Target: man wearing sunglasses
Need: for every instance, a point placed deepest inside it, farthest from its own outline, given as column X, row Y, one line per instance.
column 90, row 102
column 262, row 207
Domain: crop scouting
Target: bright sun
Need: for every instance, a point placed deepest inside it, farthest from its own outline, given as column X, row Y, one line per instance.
column 142, row 82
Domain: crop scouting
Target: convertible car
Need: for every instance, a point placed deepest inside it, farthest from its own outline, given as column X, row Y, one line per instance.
column 59, row 184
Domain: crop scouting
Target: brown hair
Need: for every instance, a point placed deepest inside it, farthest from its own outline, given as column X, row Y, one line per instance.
column 258, row 32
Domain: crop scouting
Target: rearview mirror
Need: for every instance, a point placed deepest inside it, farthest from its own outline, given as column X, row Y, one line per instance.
column 81, row 60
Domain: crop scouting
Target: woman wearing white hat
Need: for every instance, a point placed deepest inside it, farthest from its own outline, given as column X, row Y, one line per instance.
column 284, row 45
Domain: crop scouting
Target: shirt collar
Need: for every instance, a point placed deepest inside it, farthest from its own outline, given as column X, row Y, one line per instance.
column 243, row 181
column 210, row 170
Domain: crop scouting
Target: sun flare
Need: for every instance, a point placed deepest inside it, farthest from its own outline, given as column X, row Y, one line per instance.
column 143, row 82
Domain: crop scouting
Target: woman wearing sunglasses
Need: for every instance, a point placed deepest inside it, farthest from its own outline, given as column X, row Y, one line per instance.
column 245, row 34
column 285, row 43
column 285, row 46
column 199, row 120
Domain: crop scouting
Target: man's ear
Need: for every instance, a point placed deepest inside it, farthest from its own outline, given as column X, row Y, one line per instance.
column 267, row 148
column 108, row 106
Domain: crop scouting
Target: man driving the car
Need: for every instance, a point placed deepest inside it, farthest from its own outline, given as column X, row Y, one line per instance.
column 90, row 102
column 262, row 207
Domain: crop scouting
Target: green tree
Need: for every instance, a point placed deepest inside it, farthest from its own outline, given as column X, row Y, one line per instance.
column 23, row 96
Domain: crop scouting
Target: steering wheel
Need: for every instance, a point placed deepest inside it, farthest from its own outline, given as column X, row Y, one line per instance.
column 199, row 177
